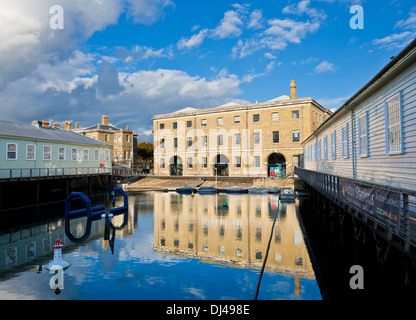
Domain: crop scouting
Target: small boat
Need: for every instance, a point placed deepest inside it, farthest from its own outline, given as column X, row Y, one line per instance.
column 186, row 189
column 208, row 190
column 257, row 190
column 288, row 195
column 274, row 190
column 236, row 189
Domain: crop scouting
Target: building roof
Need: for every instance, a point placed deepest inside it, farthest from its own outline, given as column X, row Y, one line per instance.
column 105, row 127
column 283, row 102
column 29, row 131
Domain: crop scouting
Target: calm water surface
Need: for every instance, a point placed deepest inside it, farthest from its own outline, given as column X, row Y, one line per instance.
column 167, row 246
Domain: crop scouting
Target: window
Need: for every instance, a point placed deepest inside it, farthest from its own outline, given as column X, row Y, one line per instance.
column 61, row 153
column 162, row 143
column 189, row 124
column 162, row 163
column 363, row 135
column 219, row 121
column 256, row 117
column 295, row 136
column 175, row 125
column 127, row 138
column 319, row 151
column 107, row 155
column 204, row 141
column 275, row 116
column 394, row 129
column 220, row 140
column 237, row 162
column 275, row 136
column 334, row 145
column 345, row 141
column 326, row 148
column 295, row 114
column 237, row 119
column 30, row 152
column 96, row 154
column 106, row 138
column 162, row 126
column 74, row 154
column 204, row 162
column 256, row 162
column 189, row 160
column 203, row 122
column 256, row 137
column 86, row 154
column 237, row 139
column 175, row 142
column 189, row 141
column 47, row 150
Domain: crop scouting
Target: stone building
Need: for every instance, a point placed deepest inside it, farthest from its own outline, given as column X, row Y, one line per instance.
column 124, row 142
column 259, row 139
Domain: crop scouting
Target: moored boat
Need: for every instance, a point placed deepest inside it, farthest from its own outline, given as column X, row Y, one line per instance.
column 186, row 189
column 257, row 190
column 207, row 190
column 236, row 189
column 274, row 190
column 287, row 195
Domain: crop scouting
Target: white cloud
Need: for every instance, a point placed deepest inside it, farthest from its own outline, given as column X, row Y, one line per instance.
column 410, row 22
column 229, row 26
column 26, row 39
column 324, row 66
column 395, row 41
column 194, row 41
column 148, row 12
column 256, row 20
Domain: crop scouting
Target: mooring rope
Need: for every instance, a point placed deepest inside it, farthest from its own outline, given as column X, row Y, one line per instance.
column 267, row 251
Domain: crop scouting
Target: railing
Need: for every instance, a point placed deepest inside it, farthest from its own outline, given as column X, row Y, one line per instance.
column 126, row 172
column 37, row 173
column 391, row 208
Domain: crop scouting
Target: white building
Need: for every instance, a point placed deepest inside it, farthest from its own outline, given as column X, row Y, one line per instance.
column 372, row 137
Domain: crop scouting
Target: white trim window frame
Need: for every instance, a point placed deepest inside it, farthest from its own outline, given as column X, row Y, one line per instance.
column 61, row 153
column 85, row 154
column 363, row 142
column 47, row 155
column 9, row 152
column 345, row 141
column 74, row 152
column 31, row 155
column 394, row 125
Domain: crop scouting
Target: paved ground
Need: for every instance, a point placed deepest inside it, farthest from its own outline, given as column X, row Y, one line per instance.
column 151, row 183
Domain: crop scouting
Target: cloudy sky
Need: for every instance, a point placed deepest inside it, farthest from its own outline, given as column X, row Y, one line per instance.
column 132, row 59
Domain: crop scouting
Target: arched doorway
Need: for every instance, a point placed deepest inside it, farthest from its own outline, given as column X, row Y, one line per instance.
column 276, row 165
column 175, row 166
column 220, row 165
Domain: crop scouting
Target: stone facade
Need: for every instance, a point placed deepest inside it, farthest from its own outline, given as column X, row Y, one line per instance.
column 260, row 139
column 124, row 142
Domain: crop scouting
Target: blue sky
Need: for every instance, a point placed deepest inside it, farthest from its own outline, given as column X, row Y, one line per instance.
column 132, row 59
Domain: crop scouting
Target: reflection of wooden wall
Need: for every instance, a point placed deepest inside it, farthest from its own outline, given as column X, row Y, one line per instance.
column 200, row 226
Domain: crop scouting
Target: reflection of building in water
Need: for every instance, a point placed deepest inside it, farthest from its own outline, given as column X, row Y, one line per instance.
column 238, row 233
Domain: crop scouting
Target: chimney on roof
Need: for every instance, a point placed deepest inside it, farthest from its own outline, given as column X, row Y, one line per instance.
column 104, row 120
column 127, row 128
column 293, row 90
column 68, row 125
column 56, row 125
column 45, row 124
column 76, row 125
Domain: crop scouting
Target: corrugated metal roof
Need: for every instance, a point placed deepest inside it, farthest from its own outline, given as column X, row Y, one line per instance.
column 22, row 130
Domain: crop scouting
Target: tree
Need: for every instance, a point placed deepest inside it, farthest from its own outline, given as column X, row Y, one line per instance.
column 145, row 151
